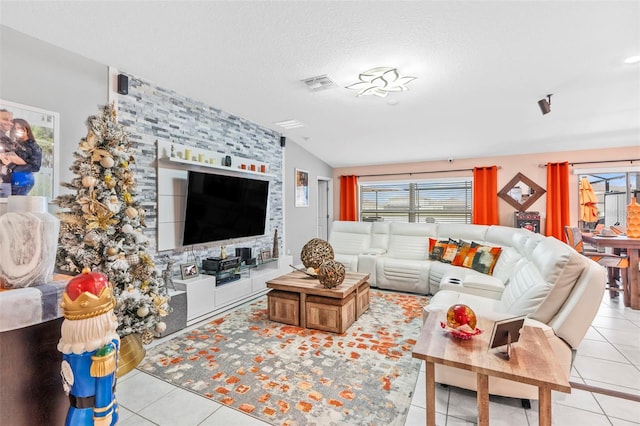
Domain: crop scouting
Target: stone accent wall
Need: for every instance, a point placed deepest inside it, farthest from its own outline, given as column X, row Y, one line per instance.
column 151, row 113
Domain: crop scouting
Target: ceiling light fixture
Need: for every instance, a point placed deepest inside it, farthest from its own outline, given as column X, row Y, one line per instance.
column 380, row 82
column 632, row 60
column 545, row 105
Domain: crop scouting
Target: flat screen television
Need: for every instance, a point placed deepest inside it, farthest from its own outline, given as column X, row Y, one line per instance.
column 222, row 207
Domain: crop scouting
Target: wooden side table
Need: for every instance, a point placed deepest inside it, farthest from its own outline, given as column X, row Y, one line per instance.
column 532, row 362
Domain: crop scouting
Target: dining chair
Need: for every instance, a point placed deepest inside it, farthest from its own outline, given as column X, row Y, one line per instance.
column 614, row 263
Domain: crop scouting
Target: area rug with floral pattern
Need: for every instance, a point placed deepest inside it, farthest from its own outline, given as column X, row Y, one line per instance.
column 287, row 375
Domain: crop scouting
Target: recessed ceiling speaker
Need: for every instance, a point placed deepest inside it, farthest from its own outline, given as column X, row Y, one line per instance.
column 283, row 141
column 545, row 105
column 123, row 84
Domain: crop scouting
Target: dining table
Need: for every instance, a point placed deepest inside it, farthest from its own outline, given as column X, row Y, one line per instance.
column 632, row 245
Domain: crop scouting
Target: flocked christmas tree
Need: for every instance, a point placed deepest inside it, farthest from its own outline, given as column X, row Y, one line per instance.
column 101, row 227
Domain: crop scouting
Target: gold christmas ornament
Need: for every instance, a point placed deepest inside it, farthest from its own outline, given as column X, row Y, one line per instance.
column 161, row 326
column 331, row 273
column 112, row 251
column 315, row 252
column 88, row 181
column 142, row 311
column 107, row 162
column 131, row 212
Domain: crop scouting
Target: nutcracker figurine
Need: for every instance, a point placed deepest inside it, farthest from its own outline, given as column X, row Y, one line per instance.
column 89, row 345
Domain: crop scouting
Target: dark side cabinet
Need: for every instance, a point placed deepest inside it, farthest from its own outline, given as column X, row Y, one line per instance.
column 528, row 220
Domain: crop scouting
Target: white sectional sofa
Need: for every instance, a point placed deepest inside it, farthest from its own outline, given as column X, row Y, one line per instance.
column 540, row 277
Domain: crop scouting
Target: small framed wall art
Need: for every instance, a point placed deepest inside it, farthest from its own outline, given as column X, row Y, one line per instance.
column 189, row 270
column 302, row 188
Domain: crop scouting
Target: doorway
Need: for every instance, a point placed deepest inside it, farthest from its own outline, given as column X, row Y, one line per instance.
column 324, row 207
column 613, row 191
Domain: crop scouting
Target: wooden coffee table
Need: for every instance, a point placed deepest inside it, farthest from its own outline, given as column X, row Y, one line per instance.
column 300, row 300
column 532, row 362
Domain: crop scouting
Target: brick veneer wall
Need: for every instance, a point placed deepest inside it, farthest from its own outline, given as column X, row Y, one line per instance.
column 151, row 113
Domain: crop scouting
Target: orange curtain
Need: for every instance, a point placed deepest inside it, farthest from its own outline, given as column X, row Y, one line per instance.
column 557, row 200
column 349, row 198
column 485, row 195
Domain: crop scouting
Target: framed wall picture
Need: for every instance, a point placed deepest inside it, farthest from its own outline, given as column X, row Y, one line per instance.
column 189, row 270
column 45, row 127
column 302, row 188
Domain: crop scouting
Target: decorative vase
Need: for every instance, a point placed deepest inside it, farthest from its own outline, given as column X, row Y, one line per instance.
column 633, row 219
column 131, row 353
column 28, row 242
column 274, row 251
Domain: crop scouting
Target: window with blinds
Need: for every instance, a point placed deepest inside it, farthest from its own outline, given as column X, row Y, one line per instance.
column 442, row 201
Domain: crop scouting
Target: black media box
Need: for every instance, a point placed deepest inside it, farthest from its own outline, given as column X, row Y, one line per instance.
column 243, row 253
column 219, row 264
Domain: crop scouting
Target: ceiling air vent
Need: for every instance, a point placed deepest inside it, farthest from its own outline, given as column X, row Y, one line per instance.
column 289, row 124
column 321, row 82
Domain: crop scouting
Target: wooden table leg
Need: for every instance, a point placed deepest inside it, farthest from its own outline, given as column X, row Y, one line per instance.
column 303, row 310
column 634, row 280
column 431, row 393
column 483, row 400
column 544, row 406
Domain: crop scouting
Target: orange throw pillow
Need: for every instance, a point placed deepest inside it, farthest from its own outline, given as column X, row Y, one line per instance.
column 482, row 259
column 463, row 250
column 437, row 249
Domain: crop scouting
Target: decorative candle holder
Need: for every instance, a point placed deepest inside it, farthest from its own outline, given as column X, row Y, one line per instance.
column 633, row 219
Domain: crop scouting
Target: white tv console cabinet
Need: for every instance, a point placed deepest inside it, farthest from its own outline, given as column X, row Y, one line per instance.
column 205, row 299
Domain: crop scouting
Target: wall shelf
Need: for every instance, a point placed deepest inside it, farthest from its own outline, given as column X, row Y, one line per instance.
column 202, row 159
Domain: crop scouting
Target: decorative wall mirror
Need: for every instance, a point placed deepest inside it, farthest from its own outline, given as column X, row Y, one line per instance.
column 521, row 192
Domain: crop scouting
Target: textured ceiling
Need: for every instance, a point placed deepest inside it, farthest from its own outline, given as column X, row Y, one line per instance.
column 481, row 67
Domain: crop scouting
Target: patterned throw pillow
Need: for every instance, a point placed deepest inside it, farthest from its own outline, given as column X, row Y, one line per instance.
column 450, row 251
column 437, row 249
column 463, row 250
column 482, row 258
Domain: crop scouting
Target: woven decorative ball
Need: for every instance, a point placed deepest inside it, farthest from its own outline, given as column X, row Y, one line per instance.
column 315, row 252
column 133, row 259
column 331, row 273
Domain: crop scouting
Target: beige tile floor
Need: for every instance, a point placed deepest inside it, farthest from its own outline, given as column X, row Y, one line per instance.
column 609, row 356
